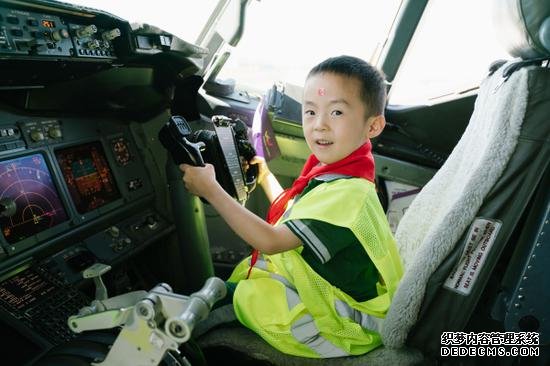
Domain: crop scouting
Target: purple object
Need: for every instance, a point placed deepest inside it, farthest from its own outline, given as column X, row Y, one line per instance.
column 263, row 137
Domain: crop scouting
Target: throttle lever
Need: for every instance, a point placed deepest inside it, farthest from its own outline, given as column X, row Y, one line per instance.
column 173, row 136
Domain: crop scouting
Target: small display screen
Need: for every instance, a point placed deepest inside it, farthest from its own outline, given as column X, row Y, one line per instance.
column 88, row 176
column 29, row 200
column 48, row 23
column 121, row 150
column 24, row 289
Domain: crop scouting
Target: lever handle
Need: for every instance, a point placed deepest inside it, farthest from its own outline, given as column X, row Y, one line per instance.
column 95, row 271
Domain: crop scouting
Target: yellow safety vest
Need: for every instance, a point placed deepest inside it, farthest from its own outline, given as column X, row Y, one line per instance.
column 297, row 311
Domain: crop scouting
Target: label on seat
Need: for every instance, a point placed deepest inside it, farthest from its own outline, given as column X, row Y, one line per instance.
column 479, row 241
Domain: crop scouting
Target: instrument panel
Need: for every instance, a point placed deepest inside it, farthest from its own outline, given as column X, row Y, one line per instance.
column 74, row 192
column 59, row 173
column 31, row 33
column 74, row 188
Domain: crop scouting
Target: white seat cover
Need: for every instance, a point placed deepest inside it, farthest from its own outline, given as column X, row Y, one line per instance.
column 448, row 204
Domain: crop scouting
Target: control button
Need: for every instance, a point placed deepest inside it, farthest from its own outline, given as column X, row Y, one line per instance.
column 37, row 135
column 152, row 222
column 81, row 51
column 60, row 34
column 114, row 231
column 32, row 22
column 86, row 31
column 11, row 132
column 111, row 34
column 3, row 132
column 16, row 32
column 93, row 44
column 12, row 19
column 25, row 44
column 55, row 133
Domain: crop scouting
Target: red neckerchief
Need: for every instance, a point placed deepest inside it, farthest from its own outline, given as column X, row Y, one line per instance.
column 359, row 163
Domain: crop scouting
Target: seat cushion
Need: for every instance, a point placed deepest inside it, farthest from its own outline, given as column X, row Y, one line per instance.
column 250, row 345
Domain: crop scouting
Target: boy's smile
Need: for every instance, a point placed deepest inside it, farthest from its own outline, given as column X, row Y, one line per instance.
column 334, row 116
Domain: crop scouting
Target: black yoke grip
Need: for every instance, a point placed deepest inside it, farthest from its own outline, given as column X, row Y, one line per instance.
column 173, row 136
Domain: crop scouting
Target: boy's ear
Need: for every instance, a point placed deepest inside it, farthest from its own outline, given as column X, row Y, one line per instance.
column 376, row 125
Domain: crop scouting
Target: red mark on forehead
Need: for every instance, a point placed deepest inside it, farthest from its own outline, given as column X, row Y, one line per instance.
column 321, row 92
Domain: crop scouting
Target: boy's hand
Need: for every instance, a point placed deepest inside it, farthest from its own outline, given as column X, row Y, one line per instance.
column 263, row 170
column 266, row 179
column 199, row 180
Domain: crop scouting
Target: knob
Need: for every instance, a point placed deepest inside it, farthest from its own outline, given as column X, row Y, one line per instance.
column 7, row 207
column 37, row 135
column 110, row 34
column 114, row 231
column 152, row 222
column 86, row 31
column 55, row 133
column 93, row 44
column 60, row 34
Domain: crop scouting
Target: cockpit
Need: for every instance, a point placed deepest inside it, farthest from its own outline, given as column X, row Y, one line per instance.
column 97, row 112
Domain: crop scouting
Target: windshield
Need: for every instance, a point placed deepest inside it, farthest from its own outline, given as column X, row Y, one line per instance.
column 284, row 39
column 183, row 18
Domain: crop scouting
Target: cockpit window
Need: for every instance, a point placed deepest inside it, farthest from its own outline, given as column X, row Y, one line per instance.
column 450, row 53
column 182, row 18
column 284, row 39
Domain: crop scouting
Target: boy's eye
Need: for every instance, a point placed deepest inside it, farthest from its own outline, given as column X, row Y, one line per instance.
column 309, row 112
column 336, row 113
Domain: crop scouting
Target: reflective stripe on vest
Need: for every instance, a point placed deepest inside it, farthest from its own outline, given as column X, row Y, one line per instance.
column 307, row 236
column 366, row 321
column 305, row 331
column 260, row 263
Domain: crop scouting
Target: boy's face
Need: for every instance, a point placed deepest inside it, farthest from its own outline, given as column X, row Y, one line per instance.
column 334, row 116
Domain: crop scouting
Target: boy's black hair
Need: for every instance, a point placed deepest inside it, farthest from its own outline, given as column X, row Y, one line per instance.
column 373, row 88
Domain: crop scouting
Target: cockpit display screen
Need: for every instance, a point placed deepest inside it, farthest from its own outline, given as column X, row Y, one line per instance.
column 88, row 176
column 24, row 289
column 29, row 201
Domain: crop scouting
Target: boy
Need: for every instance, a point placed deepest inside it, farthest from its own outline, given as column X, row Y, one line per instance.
column 329, row 265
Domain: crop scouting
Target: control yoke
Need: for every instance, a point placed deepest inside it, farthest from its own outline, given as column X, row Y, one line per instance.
column 153, row 322
column 226, row 146
column 174, row 138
